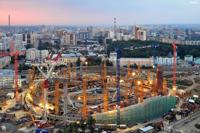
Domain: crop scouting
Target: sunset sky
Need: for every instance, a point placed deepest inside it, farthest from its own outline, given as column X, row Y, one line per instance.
column 34, row 12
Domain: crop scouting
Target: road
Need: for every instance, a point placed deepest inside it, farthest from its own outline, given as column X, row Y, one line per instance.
column 181, row 124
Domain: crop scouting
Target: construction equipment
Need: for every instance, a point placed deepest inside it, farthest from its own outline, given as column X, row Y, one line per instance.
column 104, row 86
column 56, row 96
column 84, row 99
column 14, row 53
column 174, row 67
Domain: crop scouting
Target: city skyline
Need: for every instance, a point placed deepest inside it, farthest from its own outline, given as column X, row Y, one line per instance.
column 97, row 12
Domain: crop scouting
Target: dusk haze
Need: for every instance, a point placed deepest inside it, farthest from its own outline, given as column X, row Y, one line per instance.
column 63, row 12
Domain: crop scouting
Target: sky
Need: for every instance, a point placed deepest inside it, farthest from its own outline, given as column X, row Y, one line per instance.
column 96, row 12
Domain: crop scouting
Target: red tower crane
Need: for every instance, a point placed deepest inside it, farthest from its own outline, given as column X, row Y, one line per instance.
column 174, row 67
column 15, row 54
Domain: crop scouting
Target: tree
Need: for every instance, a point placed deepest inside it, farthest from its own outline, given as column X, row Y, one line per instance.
column 78, row 62
column 109, row 63
column 59, row 131
column 91, row 124
column 82, row 125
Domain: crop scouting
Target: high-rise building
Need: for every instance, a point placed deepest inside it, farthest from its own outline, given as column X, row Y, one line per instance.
column 83, row 35
column 140, row 34
column 18, row 42
column 69, row 38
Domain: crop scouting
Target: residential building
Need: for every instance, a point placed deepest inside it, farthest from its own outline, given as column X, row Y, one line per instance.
column 188, row 58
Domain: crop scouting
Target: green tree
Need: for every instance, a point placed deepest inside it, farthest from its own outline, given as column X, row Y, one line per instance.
column 82, row 125
column 78, row 62
column 91, row 124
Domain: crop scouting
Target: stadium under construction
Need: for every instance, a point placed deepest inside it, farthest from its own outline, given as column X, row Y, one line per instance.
column 112, row 95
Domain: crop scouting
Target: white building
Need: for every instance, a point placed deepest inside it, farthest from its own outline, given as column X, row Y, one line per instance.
column 70, row 58
column 34, row 39
column 18, row 42
column 7, row 78
column 132, row 61
column 4, row 61
column 164, row 61
column 33, row 54
column 188, row 58
column 5, row 43
column 197, row 60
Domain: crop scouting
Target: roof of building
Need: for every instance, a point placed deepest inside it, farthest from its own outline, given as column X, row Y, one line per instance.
column 146, row 129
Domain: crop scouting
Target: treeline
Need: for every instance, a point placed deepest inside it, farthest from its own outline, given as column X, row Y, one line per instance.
column 162, row 49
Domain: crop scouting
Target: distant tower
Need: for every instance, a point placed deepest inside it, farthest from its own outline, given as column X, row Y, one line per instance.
column 9, row 22
column 115, row 22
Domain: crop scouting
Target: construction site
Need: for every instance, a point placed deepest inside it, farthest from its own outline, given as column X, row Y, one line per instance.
column 112, row 95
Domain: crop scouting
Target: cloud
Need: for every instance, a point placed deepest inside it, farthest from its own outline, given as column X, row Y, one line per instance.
column 194, row 2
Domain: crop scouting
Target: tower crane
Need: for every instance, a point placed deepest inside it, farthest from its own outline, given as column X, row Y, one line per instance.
column 14, row 53
column 174, row 66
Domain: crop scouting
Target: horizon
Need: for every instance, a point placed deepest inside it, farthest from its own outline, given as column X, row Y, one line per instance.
column 97, row 25
column 77, row 12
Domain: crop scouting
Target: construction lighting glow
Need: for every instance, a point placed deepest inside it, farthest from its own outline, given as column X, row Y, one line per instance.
column 139, row 82
column 121, row 81
column 79, row 98
column 133, row 73
column 29, row 97
column 174, row 88
column 48, row 106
